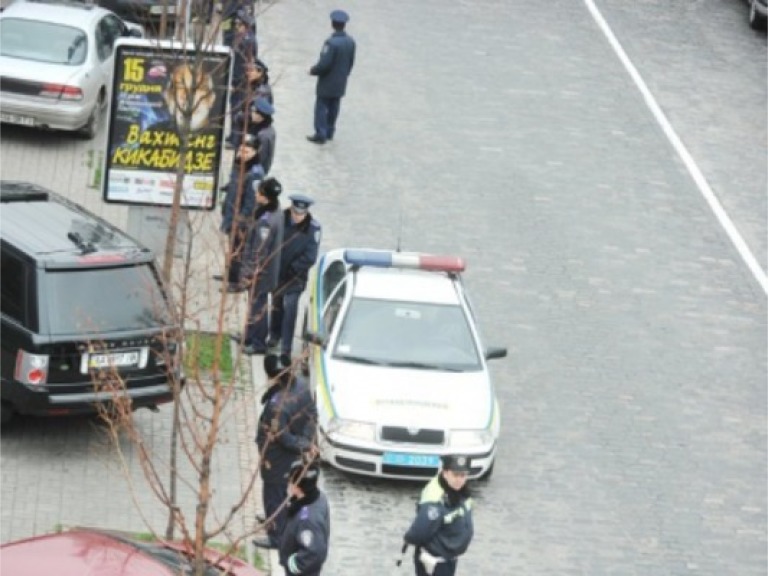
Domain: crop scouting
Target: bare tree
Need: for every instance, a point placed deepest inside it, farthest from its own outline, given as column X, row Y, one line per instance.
column 207, row 396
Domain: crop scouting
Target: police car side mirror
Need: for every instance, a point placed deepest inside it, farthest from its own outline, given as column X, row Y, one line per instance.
column 314, row 338
column 493, row 352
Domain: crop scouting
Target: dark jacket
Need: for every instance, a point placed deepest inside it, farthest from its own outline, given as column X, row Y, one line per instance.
column 267, row 138
column 332, row 69
column 290, row 415
column 244, row 187
column 307, row 532
column 244, row 50
column 443, row 524
column 301, row 243
column 261, row 256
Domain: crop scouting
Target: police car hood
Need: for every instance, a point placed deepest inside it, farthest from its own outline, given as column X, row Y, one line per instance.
column 411, row 397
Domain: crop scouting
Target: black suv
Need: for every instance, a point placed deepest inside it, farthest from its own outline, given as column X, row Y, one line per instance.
column 80, row 299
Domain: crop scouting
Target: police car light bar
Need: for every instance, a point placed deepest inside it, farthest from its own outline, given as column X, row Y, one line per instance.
column 383, row 259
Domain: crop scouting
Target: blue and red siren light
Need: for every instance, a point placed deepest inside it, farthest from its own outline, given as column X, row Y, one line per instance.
column 414, row 260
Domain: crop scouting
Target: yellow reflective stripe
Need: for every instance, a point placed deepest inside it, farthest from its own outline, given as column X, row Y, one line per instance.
column 432, row 492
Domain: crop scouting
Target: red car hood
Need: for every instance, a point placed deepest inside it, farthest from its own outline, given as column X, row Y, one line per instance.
column 94, row 553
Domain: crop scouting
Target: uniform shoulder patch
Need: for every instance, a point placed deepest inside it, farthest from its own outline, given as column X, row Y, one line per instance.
column 305, row 537
column 326, row 48
column 433, row 513
column 263, row 233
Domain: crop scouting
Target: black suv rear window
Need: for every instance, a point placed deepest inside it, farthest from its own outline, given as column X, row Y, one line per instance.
column 105, row 299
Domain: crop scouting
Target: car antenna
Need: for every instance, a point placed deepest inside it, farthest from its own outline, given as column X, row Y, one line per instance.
column 399, row 226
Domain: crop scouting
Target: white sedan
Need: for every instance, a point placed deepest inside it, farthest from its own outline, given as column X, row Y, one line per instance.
column 56, row 64
column 397, row 365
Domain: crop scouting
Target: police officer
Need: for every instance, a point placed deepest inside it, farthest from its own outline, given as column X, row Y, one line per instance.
column 287, row 427
column 443, row 528
column 229, row 10
column 261, row 263
column 301, row 242
column 244, row 53
column 239, row 205
column 307, row 531
column 332, row 70
column 262, row 126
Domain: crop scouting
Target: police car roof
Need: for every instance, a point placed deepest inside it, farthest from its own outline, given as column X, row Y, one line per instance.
column 406, row 285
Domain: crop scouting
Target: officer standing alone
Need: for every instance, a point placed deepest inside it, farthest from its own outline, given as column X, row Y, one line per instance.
column 307, row 532
column 301, row 242
column 332, row 70
column 443, row 527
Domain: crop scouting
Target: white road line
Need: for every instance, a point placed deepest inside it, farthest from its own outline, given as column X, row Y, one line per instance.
column 685, row 156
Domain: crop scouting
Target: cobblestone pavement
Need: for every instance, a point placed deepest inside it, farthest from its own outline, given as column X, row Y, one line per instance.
column 634, row 400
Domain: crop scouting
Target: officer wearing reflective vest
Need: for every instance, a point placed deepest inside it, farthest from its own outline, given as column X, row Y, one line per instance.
column 443, row 528
column 307, row 530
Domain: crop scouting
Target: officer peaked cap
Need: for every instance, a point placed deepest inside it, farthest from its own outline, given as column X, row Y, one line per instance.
column 456, row 463
column 339, row 16
column 300, row 202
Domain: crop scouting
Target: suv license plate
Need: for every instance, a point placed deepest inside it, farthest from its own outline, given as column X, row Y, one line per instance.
column 116, row 360
column 403, row 459
column 16, row 119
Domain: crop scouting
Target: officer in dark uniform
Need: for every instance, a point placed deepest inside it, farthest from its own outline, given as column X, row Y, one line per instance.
column 239, row 205
column 306, row 535
column 287, row 428
column 301, row 243
column 332, row 70
column 443, row 528
column 261, row 264
column 244, row 53
column 229, row 10
column 262, row 126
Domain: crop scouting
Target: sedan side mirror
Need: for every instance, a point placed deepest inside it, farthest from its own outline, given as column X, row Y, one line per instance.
column 314, row 338
column 493, row 352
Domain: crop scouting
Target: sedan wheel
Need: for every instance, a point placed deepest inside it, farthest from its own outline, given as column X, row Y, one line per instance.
column 91, row 128
column 756, row 20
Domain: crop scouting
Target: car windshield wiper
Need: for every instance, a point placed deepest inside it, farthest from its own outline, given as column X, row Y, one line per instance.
column 422, row 366
column 363, row 360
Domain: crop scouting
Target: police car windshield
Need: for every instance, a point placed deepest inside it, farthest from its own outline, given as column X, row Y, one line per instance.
column 408, row 335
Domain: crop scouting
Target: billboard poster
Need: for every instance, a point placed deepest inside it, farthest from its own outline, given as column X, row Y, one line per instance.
column 155, row 84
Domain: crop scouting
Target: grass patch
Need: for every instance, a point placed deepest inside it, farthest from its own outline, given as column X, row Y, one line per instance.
column 201, row 354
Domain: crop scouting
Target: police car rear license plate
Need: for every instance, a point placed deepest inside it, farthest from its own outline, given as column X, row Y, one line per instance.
column 16, row 119
column 117, row 360
column 404, row 459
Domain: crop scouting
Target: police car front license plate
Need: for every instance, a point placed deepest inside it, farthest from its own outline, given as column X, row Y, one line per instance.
column 404, row 459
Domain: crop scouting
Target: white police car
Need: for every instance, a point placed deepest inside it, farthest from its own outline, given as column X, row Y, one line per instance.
column 397, row 365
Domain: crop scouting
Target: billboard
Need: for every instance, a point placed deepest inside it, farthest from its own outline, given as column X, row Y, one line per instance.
column 155, row 85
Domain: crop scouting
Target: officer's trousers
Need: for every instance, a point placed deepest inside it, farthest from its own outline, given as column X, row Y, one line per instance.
column 326, row 114
column 284, row 320
column 447, row 568
column 258, row 322
column 273, row 494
